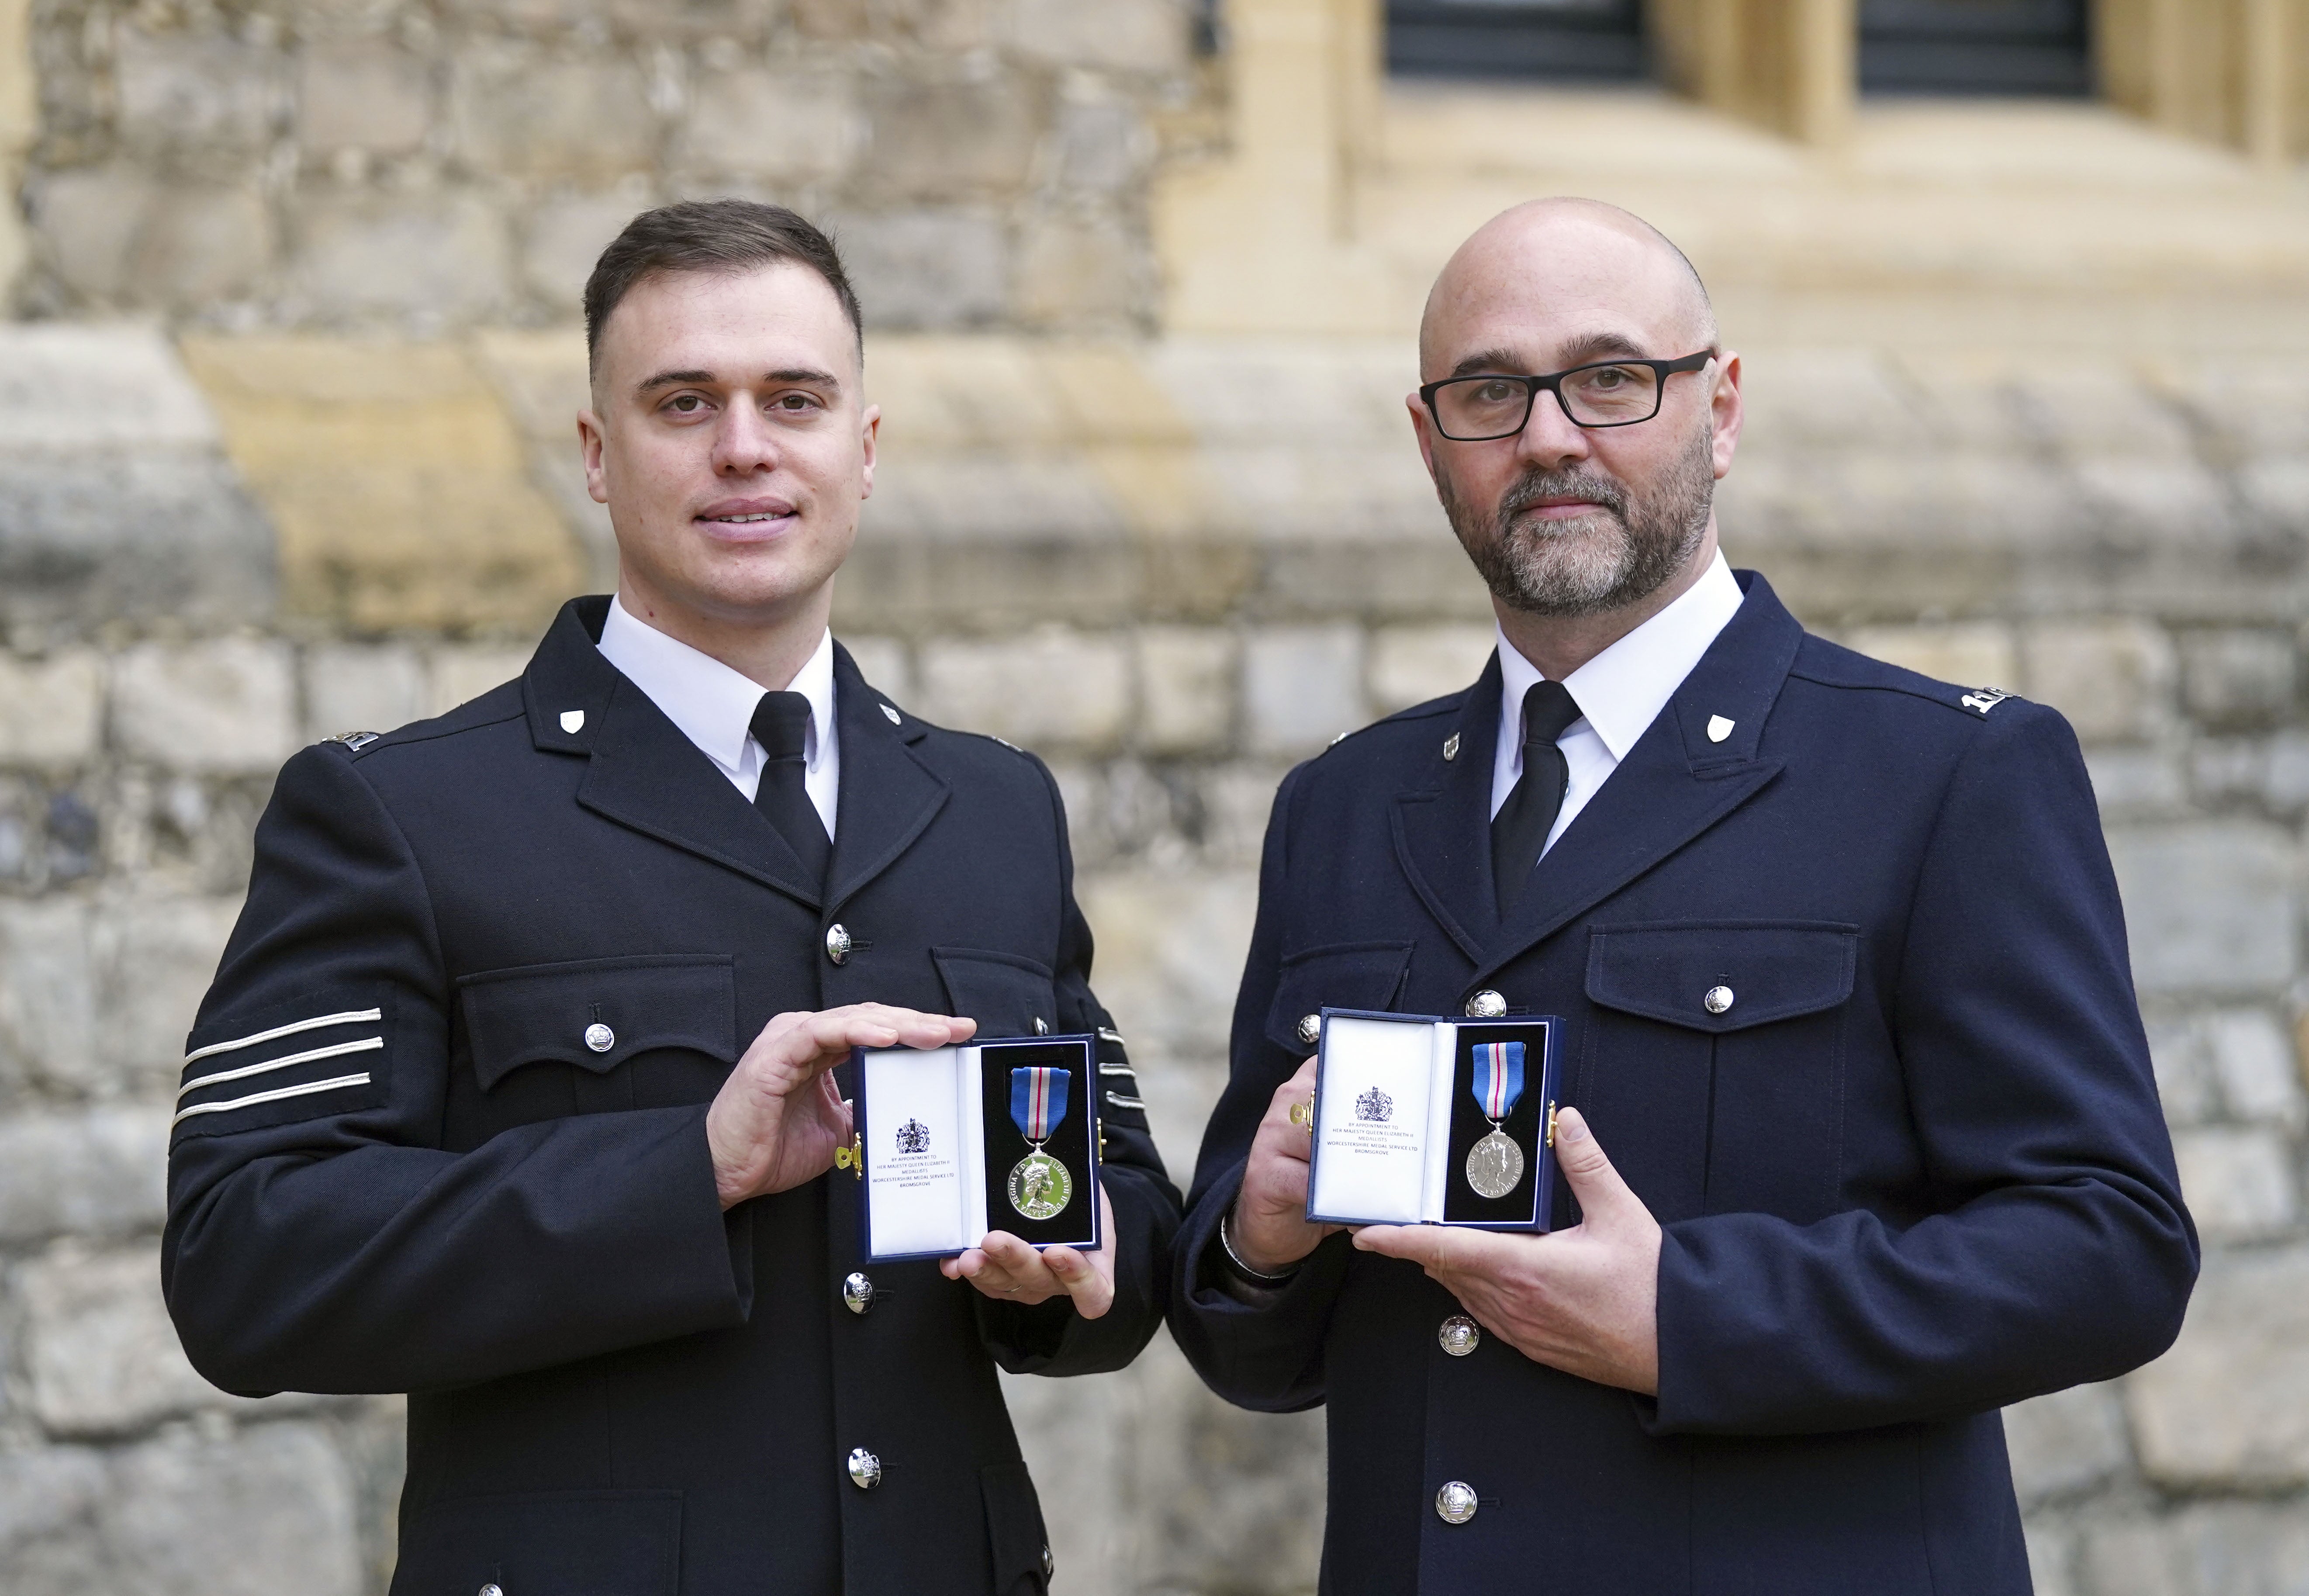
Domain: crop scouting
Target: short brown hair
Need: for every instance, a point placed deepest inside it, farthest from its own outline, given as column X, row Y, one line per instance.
column 709, row 235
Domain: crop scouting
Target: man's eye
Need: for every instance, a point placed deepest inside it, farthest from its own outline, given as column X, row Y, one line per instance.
column 687, row 404
column 1496, row 393
column 796, row 401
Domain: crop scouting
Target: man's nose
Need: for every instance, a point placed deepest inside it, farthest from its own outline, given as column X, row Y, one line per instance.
column 744, row 441
column 1549, row 437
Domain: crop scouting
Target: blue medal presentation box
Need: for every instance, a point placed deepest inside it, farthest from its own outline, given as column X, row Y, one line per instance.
column 954, row 1143
column 1422, row 1120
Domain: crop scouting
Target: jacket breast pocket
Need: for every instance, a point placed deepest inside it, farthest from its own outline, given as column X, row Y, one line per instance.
column 1007, row 994
column 1716, row 1060
column 1361, row 975
column 600, row 1035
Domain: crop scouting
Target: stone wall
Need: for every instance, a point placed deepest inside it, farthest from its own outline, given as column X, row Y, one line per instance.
column 242, row 163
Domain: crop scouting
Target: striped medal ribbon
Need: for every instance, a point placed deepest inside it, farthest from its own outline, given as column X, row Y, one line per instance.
column 1495, row 1164
column 1040, row 1185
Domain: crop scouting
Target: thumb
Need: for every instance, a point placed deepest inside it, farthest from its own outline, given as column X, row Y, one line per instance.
column 1602, row 1194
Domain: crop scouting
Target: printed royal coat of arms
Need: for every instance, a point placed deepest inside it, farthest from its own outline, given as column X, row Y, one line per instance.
column 913, row 1137
column 1375, row 1105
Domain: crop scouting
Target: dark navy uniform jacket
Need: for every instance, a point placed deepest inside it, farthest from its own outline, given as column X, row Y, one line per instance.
column 403, row 1164
column 1916, row 1170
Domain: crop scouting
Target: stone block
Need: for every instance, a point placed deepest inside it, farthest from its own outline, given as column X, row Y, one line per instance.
column 2238, row 680
column 1186, row 689
column 361, row 687
column 2066, row 1443
column 2210, row 906
column 50, row 1499
column 2287, row 773
column 195, row 89
column 154, row 958
column 226, row 704
column 95, row 1171
column 1050, row 687
column 1080, row 272
column 936, row 141
column 267, row 1509
column 2136, row 782
column 2239, row 1182
column 2254, row 1058
column 939, row 267
column 2242, row 1549
column 564, row 240
column 2228, row 1406
column 885, row 664
column 1103, row 146
column 2187, row 1081
column 51, row 709
column 430, row 255
column 92, row 536
column 101, row 1357
column 1978, row 655
column 362, row 95
column 396, row 480
column 2112, row 678
column 460, row 675
column 116, row 236
column 1171, row 947
column 68, row 386
column 2052, row 1557
column 1302, row 687
column 47, row 995
column 779, row 127
column 1119, row 35
column 1236, row 800
column 1413, row 664
column 516, row 113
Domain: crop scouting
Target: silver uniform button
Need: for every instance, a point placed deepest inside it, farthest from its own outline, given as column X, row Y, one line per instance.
column 490, row 1590
column 1455, row 1504
column 837, row 944
column 1049, row 1565
column 1717, row 1000
column 600, row 1038
column 1459, row 1335
column 1486, row 1004
column 857, row 1293
column 1310, row 1029
column 1042, row 1026
column 866, row 1469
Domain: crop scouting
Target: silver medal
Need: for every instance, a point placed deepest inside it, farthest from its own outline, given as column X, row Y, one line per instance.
column 1040, row 1187
column 1494, row 1165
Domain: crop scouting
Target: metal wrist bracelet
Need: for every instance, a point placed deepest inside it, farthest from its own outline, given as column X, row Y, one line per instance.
column 1256, row 1277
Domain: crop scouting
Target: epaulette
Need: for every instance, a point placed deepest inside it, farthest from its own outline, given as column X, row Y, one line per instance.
column 354, row 741
column 1981, row 700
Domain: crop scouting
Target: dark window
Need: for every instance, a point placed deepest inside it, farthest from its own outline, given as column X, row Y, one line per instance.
column 1975, row 47
column 1557, row 41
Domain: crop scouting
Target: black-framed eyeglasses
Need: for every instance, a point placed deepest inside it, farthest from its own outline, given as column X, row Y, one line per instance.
column 1475, row 409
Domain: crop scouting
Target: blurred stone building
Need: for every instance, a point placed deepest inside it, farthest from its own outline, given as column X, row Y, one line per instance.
column 286, row 388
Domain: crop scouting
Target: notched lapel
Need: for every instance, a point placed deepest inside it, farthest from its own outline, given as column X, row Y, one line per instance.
column 888, row 797
column 1443, row 829
column 648, row 776
column 1674, row 784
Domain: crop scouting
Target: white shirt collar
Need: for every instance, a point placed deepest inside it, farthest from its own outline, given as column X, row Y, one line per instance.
column 1621, row 691
column 712, row 704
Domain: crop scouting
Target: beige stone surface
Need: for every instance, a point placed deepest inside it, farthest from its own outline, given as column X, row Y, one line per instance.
column 225, row 705
column 2239, row 1182
column 2066, row 1443
column 103, row 1357
column 248, row 1513
column 2112, row 679
column 1303, row 687
column 783, row 126
column 2229, row 1404
column 1051, row 688
column 1186, row 688
column 362, row 687
column 1967, row 656
column 395, row 479
column 1413, row 664
column 458, row 676
column 363, row 95
column 2211, row 907
column 51, row 709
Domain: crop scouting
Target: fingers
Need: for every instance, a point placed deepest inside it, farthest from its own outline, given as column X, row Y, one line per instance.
column 1602, row 1194
column 1093, row 1292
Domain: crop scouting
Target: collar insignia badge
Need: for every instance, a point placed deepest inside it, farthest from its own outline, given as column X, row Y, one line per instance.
column 573, row 720
column 1719, row 728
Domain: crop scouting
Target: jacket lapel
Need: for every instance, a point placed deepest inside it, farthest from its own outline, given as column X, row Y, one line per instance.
column 1674, row 784
column 888, row 796
column 645, row 773
column 1443, row 828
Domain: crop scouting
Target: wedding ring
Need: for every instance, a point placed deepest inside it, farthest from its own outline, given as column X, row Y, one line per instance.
column 1302, row 1113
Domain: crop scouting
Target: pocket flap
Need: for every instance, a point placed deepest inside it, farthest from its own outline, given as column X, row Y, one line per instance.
column 1004, row 992
column 571, row 1543
column 1364, row 975
column 1761, row 969
column 543, row 1012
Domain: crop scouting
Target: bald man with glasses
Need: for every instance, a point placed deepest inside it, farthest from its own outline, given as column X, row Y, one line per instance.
column 1841, row 977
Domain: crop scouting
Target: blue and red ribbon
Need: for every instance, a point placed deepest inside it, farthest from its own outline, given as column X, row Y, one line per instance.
column 1037, row 1098
column 1499, row 1077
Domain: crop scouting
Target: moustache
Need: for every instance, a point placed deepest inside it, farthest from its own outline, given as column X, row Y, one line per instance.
column 1535, row 486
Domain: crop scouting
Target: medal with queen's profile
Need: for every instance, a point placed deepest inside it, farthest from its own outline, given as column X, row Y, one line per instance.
column 1495, row 1163
column 1040, row 1188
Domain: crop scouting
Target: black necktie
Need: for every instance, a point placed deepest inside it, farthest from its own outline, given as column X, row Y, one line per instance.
column 781, row 724
column 1519, row 830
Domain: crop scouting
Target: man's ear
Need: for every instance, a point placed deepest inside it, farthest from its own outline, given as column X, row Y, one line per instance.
column 869, row 443
column 1728, row 412
column 1419, row 429
column 590, row 440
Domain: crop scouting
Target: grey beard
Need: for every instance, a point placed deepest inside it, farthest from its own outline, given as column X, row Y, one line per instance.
column 1619, row 554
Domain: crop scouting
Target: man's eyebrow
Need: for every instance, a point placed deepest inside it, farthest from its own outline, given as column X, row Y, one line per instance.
column 1491, row 360
column 1580, row 352
column 794, row 373
column 673, row 379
